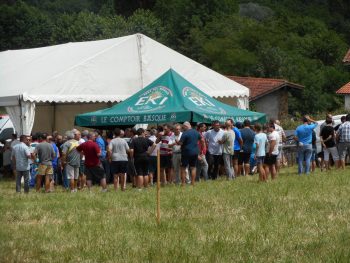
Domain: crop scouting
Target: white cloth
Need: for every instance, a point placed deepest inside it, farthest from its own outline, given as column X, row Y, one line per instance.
column 22, row 117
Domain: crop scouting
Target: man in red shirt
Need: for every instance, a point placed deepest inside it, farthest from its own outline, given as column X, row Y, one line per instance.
column 93, row 167
column 202, row 164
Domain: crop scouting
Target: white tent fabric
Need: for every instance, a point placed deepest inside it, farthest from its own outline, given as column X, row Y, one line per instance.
column 22, row 117
column 101, row 71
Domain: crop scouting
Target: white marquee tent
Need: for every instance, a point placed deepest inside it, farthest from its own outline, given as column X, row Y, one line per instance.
column 104, row 71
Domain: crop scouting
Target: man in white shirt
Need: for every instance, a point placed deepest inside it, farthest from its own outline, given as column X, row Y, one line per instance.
column 213, row 137
column 81, row 140
column 281, row 133
column 176, row 160
column 272, row 153
column 152, row 165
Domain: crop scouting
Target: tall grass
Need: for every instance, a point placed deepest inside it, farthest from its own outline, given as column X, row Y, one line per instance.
column 291, row 219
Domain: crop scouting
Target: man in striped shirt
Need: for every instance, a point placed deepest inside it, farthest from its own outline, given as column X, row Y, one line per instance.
column 343, row 137
column 165, row 138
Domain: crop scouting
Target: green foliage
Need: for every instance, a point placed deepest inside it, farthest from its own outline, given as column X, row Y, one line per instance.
column 23, row 26
column 87, row 26
column 301, row 41
column 144, row 21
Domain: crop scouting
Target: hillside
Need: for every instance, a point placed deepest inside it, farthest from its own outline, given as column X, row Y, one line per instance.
column 288, row 39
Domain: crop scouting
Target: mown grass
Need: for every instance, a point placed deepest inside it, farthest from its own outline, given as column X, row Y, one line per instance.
column 292, row 219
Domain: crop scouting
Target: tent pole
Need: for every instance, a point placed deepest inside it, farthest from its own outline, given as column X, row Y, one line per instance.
column 53, row 125
column 158, row 186
column 21, row 115
column 138, row 40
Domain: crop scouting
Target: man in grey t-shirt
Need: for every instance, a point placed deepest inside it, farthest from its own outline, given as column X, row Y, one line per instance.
column 45, row 153
column 227, row 141
column 117, row 152
column 71, row 160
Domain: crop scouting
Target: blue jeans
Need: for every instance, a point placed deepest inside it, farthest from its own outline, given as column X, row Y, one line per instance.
column 304, row 153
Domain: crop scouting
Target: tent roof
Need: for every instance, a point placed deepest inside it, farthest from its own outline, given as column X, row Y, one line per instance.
column 169, row 98
column 108, row 70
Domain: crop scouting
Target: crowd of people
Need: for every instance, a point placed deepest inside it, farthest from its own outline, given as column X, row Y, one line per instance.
column 335, row 143
column 187, row 154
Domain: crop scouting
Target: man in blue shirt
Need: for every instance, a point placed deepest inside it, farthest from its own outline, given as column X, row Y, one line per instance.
column 102, row 145
column 237, row 148
column 303, row 135
column 189, row 151
column 20, row 156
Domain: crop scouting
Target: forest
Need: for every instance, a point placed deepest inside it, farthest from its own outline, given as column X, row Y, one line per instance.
column 301, row 41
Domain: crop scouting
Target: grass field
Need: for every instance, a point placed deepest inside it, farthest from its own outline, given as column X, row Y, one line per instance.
column 292, row 219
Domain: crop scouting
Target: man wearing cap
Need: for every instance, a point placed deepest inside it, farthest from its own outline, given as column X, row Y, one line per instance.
column 189, row 151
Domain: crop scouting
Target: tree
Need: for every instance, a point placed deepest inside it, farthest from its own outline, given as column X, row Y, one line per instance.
column 23, row 26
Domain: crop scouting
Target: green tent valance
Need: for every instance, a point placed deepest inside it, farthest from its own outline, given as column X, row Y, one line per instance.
column 170, row 98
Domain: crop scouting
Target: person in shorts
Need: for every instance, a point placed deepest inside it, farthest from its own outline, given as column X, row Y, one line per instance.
column 237, row 149
column 248, row 140
column 45, row 154
column 343, row 137
column 71, row 160
column 81, row 138
column 93, row 166
column 189, row 151
column 117, row 152
column 260, row 141
column 271, row 155
column 166, row 139
column 140, row 148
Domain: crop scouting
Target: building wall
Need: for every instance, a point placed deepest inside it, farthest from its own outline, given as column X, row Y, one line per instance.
column 60, row 117
column 347, row 102
column 269, row 104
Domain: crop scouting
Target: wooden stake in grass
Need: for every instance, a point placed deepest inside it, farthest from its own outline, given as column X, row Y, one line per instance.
column 158, row 186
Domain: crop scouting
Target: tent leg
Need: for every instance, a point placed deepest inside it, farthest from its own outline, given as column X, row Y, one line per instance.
column 53, row 125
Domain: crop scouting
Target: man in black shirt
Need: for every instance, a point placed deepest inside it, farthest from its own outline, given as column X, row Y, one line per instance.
column 139, row 149
column 327, row 137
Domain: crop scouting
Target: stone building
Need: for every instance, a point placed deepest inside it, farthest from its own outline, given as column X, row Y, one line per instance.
column 268, row 95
